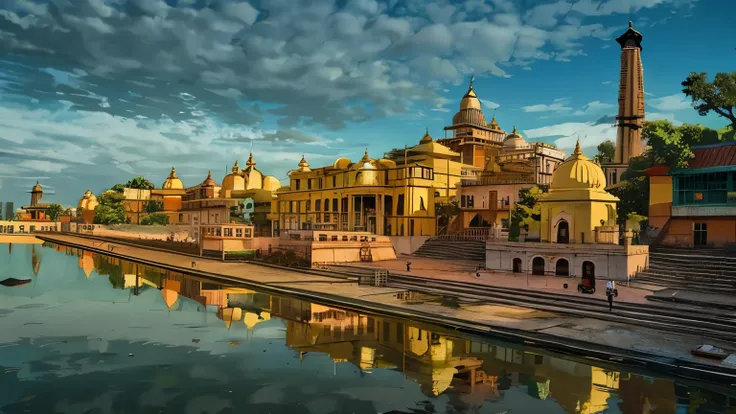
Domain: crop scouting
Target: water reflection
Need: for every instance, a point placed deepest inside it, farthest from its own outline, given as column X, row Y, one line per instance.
column 432, row 369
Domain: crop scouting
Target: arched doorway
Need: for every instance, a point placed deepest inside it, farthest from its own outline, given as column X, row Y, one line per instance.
column 538, row 266
column 562, row 268
column 517, row 265
column 588, row 278
column 563, row 232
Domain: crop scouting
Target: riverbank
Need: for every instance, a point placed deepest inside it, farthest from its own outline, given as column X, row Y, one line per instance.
column 639, row 346
column 20, row 239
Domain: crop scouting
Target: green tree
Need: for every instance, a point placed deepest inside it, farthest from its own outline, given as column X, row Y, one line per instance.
column 446, row 211
column 153, row 206
column 140, row 183
column 718, row 96
column 155, row 219
column 111, row 209
column 54, row 211
column 606, row 152
column 526, row 212
column 667, row 146
column 118, row 188
column 634, row 196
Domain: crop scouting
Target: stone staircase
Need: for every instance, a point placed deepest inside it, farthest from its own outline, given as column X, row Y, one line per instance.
column 453, row 249
column 705, row 270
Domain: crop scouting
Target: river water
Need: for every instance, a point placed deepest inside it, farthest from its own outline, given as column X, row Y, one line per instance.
column 90, row 333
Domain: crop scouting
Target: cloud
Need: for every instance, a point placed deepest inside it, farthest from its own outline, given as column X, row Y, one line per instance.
column 606, row 82
column 670, row 103
column 489, row 104
column 593, row 108
column 564, row 135
column 557, row 105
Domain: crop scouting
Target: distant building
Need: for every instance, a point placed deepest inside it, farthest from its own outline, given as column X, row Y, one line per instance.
column 9, row 210
column 36, row 211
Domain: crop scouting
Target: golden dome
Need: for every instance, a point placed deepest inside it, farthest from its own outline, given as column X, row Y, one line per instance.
column 470, row 100
column 209, row 182
column 470, row 110
column 303, row 165
column 37, row 188
column 234, row 181
column 578, row 172
column 88, row 201
column 172, row 182
column 271, row 183
column 426, row 139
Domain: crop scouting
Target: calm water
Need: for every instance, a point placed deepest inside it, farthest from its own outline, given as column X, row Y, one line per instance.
column 93, row 334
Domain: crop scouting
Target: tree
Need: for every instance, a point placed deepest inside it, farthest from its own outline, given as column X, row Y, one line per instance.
column 526, row 212
column 118, row 188
column 445, row 212
column 155, row 219
column 634, row 196
column 667, row 146
column 153, row 206
column 718, row 96
column 54, row 211
column 111, row 209
column 140, row 183
column 606, row 152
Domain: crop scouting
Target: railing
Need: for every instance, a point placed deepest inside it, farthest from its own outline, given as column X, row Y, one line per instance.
column 479, row 234
column 516, row 179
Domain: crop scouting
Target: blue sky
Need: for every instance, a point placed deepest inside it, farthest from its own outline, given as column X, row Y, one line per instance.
column 94, row 92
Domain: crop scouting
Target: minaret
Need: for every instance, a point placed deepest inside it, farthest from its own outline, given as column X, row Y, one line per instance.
column 630, row 118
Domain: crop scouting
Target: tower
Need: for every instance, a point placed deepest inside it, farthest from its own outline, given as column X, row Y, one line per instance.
column 630, row 117
column 36, row 194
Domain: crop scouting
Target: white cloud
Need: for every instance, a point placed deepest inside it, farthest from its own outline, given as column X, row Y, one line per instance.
column 566, row 134
column 489, row 104
column 593, row 108
column 670, row 103
column 606, row 82
column 559, row 104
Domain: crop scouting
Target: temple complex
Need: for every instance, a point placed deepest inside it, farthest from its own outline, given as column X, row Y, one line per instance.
column 579, row 236
column 630, row 118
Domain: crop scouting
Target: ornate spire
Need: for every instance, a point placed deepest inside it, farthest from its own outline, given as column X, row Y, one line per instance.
column 472, row 78
column 303, row 164
column 236, row 168
column 250, row 162
column 577, row 151
column 631, row 24
column 365, row 158
column 172, row 174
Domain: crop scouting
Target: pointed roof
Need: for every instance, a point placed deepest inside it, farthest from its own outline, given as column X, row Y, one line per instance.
column 209, row 182
column 629, row 37
column 426, row 139
column 37, row 188
column 250, row 162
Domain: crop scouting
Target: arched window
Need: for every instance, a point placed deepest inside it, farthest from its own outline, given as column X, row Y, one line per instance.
column 562, row 267
column 327, row 204
column 538, row 266
column 517, row 265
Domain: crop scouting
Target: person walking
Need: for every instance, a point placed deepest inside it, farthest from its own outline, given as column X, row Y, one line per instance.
column 408, row 266
column 609, row 293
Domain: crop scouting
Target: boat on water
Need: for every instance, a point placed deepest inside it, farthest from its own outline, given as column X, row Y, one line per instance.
column 709, row 351
column 13, row 282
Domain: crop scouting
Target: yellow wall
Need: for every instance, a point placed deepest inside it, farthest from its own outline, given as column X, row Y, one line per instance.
column 660, row 200
column 582, row 217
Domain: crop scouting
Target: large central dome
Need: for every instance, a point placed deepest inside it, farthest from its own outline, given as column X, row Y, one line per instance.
column 470, row 110
column 578, row 172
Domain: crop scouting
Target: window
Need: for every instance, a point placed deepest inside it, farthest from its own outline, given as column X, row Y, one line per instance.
column 400, row 206
column 327, row 204
column 309, row 184
column 334, row 181
column 322, row 237
column 309, row 205
column 297, row 184
column 333, row 238
column 317, row 205
column 700, row 236
column 218, row 232
column 400, row 333
column 238, row 232
column 334, row 205
column 467, row 201
column 228, row 232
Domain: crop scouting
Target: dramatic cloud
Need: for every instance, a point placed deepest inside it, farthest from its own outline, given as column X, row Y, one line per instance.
column 489, row 104
column 594, row 108
column 558, row 104
column 676, row 102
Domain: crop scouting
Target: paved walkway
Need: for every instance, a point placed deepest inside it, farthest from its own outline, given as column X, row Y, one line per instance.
column 465, row 270
column 546, row 329
column 690, row 297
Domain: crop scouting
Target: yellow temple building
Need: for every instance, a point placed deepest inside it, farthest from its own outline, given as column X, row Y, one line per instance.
column 378, row 196
column 86, row 207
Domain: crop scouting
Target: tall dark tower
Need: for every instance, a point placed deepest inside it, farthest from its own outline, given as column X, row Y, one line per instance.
column 630, row 118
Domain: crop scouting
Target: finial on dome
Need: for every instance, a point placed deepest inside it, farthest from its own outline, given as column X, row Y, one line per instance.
column 515, row 131
column 472, row 78
column 577, row 148
column 365, row 158
column 250, row 162
column 303, row 162
column 631, row 24
column 172, row 174
column 426, row 138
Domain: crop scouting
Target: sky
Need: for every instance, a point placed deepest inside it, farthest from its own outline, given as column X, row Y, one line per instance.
column 96, row 92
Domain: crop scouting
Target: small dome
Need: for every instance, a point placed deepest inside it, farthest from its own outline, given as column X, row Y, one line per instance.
column 271, row 183
column 37, row 188
column 209, row 182
column 303, row 165
column 234, row 181
column 494, row 124
column 470, row 109
column 426, row 139
column 514, row 140
column 470, row 100
column 578, row 172
column 172, row 182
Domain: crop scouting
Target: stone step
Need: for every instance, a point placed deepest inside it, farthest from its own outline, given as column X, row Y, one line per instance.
column 690, row 277
column 674, row 269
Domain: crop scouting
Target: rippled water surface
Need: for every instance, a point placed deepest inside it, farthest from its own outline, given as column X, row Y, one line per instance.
column 89, row 333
